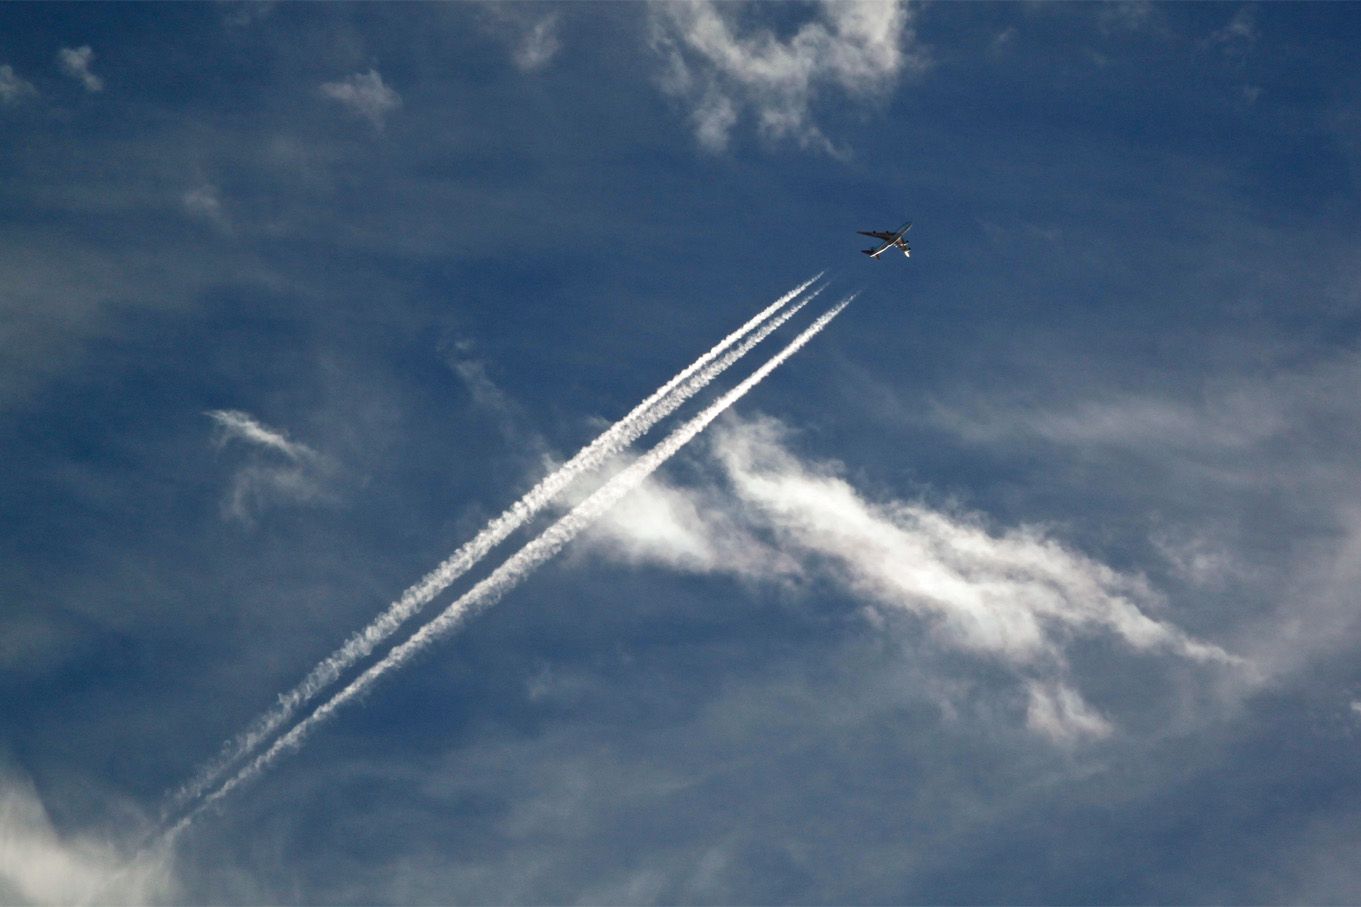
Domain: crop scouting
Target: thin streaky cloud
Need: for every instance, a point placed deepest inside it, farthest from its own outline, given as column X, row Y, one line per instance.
column 237, row 425
column 660, row 404
column 1055, row 710
column 276, row 470
column 502, row 580
column 1015, row 596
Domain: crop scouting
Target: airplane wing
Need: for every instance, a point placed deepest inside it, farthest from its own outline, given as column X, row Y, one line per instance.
column 886, row 237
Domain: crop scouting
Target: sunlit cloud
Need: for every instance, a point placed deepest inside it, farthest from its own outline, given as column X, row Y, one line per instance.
column 236, row 425
column 721, row 72
column 1016, row 597
column 39, row 865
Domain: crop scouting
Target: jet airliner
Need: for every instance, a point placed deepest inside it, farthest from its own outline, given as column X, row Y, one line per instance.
column 894, row 240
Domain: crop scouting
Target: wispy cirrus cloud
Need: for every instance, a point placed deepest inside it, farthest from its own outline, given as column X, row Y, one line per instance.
column 1247, row 477
column 614, row 439
column 365, row 95
column 1017, row 598
column 12, row 88
column 205, row 202
column 1057, row 711
column 1251, row 414
column 504, row 578
column 534, row 39
column 276, row 470
column 539, row 45
column 238, row 425
column 76, row 63
column 858, row 49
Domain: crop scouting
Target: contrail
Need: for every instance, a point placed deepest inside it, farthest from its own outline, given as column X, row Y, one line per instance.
column 664, row 401
column 504, row 578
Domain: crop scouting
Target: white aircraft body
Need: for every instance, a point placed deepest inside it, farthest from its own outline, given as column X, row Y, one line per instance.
column 895, row 240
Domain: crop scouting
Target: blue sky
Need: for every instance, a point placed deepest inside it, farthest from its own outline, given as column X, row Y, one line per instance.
column 1030, row 579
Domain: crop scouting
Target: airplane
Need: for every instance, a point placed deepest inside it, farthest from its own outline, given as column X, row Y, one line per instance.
column 894, row 240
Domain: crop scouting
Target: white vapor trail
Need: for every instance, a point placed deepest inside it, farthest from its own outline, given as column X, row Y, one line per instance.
column 505, row 577
column 664, row 401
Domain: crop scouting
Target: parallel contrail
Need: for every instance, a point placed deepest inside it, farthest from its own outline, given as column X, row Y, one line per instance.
column 509, row 574
column 664, row 401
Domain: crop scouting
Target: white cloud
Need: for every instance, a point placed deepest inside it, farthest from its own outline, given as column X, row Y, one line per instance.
column 681, row 529
column 75, row 62
column 256, row 487
column 714, row 116
column 303, row 476
column 235, row 424
column 39, row 867
column 1197, row 559
column 12, row 88
column 366, row 95
column 1017, row 598
column 539, row 45
column 461, row 356
column 857, row 48
column 534, row 40
column 1228, row 428
column 1248, row 475
column 1243, row 415
column 472, row 371
column 1016, row 595
column 1057, row 711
